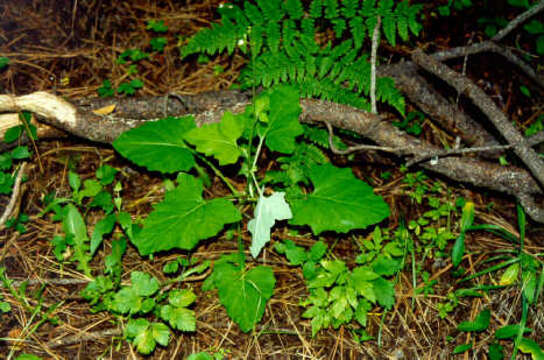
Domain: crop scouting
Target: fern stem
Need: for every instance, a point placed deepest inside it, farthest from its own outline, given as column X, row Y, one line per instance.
column 373, row 56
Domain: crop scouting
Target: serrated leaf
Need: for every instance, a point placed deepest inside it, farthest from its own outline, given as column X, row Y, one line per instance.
column 244, row 294
column 219, row 140
column 385, row 292
column 184, row 218
column 317, row 251
column 179, row 318
column 339, row 202
column 479, row 324
column 295, row 254
column 161, row 333
column 158, row 145
column 267, row 212
column 283, row 125
column 144, row 284
column 386, row 266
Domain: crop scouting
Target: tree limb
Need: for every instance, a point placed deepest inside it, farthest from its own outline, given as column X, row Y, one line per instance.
column 488, row 107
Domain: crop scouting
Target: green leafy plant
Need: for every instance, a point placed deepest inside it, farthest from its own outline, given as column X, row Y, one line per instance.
column 184, row 217
column 520, row 268
column 338, row 295
column 280, row 40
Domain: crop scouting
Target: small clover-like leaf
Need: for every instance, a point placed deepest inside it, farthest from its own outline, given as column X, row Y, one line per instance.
column 267, row 212
column 158, row 145
column 184, row 218
column 340, row 202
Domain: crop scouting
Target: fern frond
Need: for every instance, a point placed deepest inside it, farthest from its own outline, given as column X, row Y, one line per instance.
column 320, row 137
column 357, row 28
column 272, row 9
column 338, row 25
column 294, row 9
column 331, row 9
column 349, row 8
column 387, row 92
column 316, row 9
column 273, row 36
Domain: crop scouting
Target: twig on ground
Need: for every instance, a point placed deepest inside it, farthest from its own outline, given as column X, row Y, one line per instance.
column 449, row 152
column 355, row 148
column 15, row 194
column 488, row 107
column 518, row 20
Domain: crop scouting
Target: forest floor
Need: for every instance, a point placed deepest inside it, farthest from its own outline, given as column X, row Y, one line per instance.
column 69, row 48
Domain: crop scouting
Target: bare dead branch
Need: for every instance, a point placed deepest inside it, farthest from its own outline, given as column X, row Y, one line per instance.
column 488, row 107
column 15, row 194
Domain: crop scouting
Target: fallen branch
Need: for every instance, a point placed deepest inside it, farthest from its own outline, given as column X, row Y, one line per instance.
column 488, row 107
column 209, row 107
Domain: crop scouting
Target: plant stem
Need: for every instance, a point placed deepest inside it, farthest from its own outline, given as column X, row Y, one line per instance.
column 218, row 173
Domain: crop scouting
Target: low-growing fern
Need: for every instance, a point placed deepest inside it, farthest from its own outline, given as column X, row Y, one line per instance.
column 280, row 36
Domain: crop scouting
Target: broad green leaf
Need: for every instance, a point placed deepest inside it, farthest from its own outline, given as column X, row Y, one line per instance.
column 458, row 250
column 529, row 346
column 103, row 227
column 158, row 145
column 339, row 202
column 244, row 293
column 479, row 324
column 184, row 218
column 510, row 331
column 219, row 140
column 283, row 124
column 20, row 152
column 385, row 292
column 317, row 251
column 267, row 212
column 74, row 226
column 510, row 275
